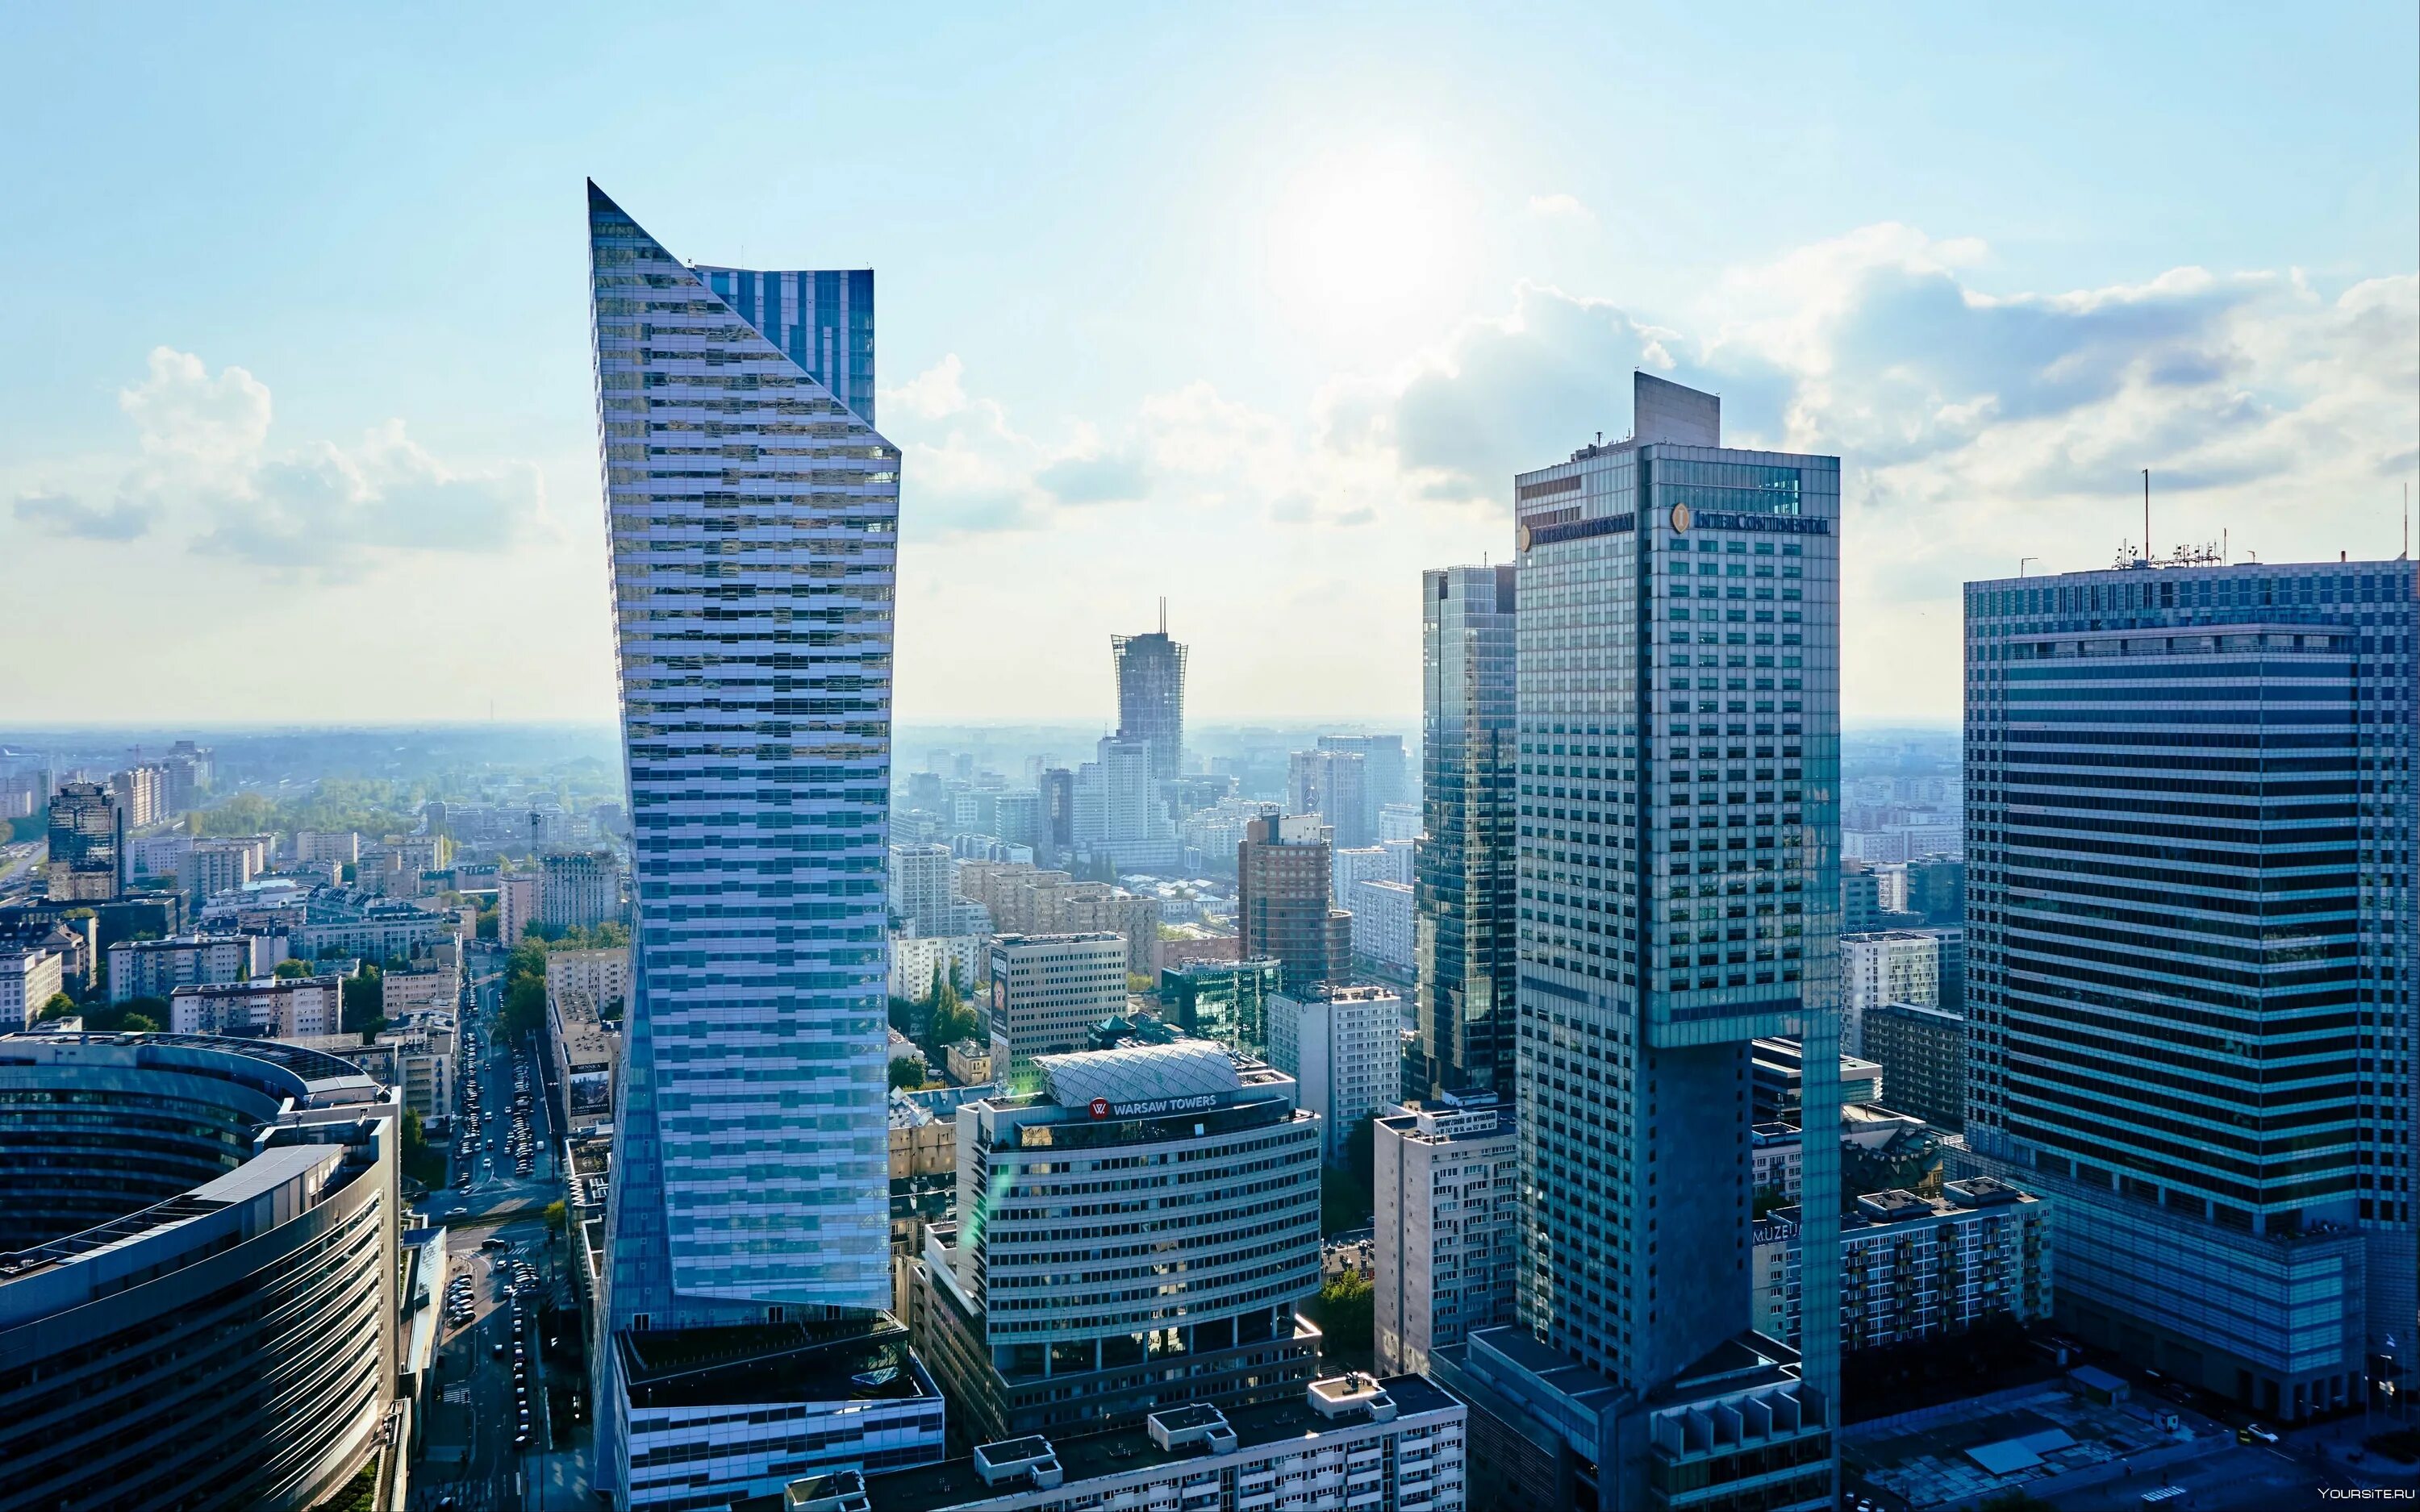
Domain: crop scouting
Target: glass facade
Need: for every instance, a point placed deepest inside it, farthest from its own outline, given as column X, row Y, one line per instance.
column 2190, row 874
column 1464, row 870
column 1677, row 751
column 752, row 512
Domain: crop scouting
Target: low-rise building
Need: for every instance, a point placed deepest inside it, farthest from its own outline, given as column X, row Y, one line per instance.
column 1916, row 1268
column 1347, row 1442
column 1447, row 1236
column 585, row 1055
column 28, row 979
column 1344, row 1047
column 604, row 975
column 734, row 1413
column 1773, row 1081
column 278, row 1008
column 435, row 988
column 156, row 968
column 1776, row 1157
column 969, row 1064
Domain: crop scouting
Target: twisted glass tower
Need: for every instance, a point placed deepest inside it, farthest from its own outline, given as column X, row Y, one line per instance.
column 753, row 510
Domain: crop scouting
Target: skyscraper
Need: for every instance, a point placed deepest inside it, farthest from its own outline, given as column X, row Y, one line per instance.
column 2189, row 934
column 1151, row 696
column 1335, row 785
column 87, row 843
column 751, row 511
column 1283, row 905
column 1384, row 758
column 1465, row 873
column 1678, row 734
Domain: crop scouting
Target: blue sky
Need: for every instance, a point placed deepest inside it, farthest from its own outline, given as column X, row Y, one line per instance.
column 1256, row 308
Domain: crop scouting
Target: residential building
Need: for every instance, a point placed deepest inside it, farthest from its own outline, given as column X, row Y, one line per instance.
column 1341, row 1045
column 342, row 846
column 155, row 968
column 1400, row 822
column 1949, row 948
column 71, row 941
column 398, row 931
column 1381, row 926
column 1861, row 899
column 969, row 1063
column 1013, row 898
column 924, row 1170
column 916, row 963
column 1189, row 1283
column 275, row 1008
column 604, row 975
column 1283, row 905
column 758, row 972
column 516, row 907
column 1467, row 874
column 142, row 794
column 436, row 987
column 29, row 979
column 1151, row 697
column 157, row 860
column 923, row 889
column 88, row 845
column 1448, row 1227
column 165, row 1346
column 1223, row 1000
column 1775, row 1160
column 2190, row 924
column 1335, row 785
column 1915, row 1269
column 1044, row 991
column 578, row 888
column 1118, row 802
column 1892, row 966
column 1936, row 887
column 1348, row 1442
column 1678, row 734
column 1348, row 867
column 1922, row 1053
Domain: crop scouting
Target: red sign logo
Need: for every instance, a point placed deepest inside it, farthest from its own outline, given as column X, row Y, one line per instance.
column 1100, row 1107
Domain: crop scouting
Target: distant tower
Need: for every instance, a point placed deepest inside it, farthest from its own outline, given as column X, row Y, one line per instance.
column 1150, row 695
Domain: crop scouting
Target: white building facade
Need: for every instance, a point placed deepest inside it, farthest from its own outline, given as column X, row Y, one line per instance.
column 1343, row 1048
column 1891, row 967
column 1447, row 1231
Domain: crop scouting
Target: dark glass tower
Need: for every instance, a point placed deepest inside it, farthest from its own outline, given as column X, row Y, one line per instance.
column 1465, row 872
column 1151, row 696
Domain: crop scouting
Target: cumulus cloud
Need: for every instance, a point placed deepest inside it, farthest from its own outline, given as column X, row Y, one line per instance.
column 205, row 467
column 1561, row 208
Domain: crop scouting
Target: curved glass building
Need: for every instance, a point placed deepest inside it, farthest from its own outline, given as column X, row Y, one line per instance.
column 197, row 1262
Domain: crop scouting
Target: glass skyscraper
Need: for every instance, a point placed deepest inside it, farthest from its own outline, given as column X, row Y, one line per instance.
column 1465, row 869
column 1151, row 696
column 2190, row 839
column 751, row 511
column 1677, row 746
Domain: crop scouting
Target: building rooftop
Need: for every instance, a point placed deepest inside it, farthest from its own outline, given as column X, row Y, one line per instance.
column 1183, row 1070
column 837, row 1362
column 1124, row 1451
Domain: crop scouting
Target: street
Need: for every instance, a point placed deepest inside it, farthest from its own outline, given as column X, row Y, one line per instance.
column 501, row 1241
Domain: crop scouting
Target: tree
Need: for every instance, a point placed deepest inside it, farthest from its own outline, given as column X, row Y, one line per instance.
column 138, row 1023
column 907, row 1072
column 136, row 1015
column 289, row 970
column 364, row 996
column 1347, row 1312
column 1361, row 1153
column 59, row 1005
column 558, row 1217
column 420, row 1163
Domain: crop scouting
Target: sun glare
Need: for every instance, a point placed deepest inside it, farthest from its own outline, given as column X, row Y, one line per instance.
column 1359, row 238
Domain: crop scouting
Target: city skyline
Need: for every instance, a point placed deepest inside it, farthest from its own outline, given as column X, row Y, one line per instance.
column 1993, row 329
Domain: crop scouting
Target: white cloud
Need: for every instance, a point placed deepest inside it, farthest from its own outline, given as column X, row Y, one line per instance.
column 204, row 471
column 1561, row 208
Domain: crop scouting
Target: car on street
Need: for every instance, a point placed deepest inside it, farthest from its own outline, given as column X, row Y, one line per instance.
column 2254, row 1431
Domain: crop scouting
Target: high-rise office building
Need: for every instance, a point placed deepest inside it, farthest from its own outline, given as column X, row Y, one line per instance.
column 87, row 843
column 751, row 512
column 2190, row 930
column 1382, row 758
column 1465, row 873
column 1335, row 785
column 1057, row 786
column 1678, row 734
column 1283, row 905
column 1151, row 696
column 1046, row 991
